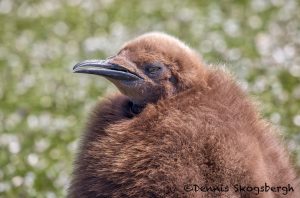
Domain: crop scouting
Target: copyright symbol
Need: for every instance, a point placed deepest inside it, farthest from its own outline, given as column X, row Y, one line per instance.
column 188, row 187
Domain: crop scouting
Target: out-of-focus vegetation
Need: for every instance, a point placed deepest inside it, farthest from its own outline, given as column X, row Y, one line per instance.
column 43, row 105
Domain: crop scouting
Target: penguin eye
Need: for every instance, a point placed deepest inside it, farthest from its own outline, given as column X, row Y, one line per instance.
column 153, row 68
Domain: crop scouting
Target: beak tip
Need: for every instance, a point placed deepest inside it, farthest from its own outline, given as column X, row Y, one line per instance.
column 74, row 67
column 76, row 70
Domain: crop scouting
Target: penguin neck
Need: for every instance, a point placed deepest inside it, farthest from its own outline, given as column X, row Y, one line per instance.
column 136, row 108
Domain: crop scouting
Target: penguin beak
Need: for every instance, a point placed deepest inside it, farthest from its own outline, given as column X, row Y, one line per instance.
column 106, row 69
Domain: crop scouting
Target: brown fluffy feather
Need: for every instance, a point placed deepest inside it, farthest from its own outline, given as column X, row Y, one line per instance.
column 208, row 134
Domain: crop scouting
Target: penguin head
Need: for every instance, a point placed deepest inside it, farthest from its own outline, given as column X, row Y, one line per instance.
column 149, row 67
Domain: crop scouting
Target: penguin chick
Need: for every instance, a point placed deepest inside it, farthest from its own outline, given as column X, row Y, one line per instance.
column 178, row 129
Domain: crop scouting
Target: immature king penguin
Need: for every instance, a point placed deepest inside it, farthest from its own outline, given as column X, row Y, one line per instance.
column 178, row 129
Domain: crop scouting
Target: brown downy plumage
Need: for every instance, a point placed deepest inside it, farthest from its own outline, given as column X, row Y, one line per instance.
column 177, row 129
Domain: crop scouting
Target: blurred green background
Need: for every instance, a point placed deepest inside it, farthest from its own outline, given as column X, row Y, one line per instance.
column 43, row 105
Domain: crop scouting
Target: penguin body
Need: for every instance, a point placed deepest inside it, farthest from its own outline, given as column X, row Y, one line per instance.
column 176, row 132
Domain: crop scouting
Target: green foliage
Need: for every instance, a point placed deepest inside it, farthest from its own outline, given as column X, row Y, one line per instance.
column 43, row 105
